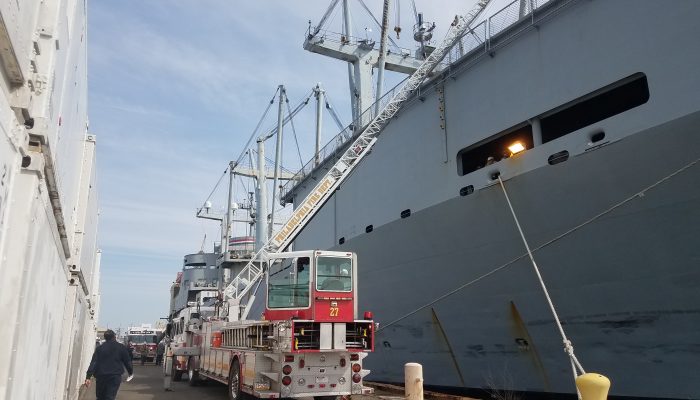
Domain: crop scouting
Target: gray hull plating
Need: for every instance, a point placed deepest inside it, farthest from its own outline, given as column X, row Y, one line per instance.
column 627, row 284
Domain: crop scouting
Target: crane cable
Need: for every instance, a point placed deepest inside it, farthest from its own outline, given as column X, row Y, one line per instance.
column 397, row 19
column 331, row 109
column 245, row 149
column 291, row 115
column 376, row 21
column 415, row 11
column 330, row 9
column 636, row 195
column 294, row 133
column 257, row 127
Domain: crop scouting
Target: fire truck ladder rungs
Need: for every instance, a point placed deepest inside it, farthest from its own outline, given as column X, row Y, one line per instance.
column 254, row 270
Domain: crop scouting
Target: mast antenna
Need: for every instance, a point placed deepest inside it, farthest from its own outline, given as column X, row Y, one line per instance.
column 201, row 248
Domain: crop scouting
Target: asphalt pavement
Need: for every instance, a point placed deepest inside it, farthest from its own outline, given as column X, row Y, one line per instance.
column 148, row 385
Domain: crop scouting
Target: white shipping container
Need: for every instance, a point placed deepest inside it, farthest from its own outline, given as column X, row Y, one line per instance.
column 49, row 257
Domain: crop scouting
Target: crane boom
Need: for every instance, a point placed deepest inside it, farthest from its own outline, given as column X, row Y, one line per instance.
column 352, row 156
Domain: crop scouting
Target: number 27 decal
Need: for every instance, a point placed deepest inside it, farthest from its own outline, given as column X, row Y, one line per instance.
column 334, row 311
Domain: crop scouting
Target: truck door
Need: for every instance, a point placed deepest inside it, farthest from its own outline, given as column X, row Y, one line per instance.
column 334, row 287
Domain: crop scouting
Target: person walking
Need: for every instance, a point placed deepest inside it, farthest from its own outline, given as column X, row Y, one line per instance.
column 160, row 351
column 107, row 365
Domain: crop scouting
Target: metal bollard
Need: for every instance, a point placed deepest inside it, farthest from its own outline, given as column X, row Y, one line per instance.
column 593, row 386
column 168, row 371
column 413, row 381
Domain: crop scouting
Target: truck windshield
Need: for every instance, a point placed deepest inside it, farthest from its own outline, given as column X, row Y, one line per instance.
column 334, row 274
column 142, row 338
column 288, row 284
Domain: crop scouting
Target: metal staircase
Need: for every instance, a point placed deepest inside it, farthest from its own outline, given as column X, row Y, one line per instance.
column 241, row 285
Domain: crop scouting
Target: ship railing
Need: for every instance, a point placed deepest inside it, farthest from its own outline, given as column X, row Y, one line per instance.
column 476, row 37
column 334, row 147
column 497, row 30
column 325, row 35
column 517, row 12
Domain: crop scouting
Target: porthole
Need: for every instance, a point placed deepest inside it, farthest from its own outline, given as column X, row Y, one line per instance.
column 559, row 157
column 467, row 190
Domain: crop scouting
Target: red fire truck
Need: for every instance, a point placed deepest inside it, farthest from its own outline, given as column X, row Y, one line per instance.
column 310, row 341
column 142, row 341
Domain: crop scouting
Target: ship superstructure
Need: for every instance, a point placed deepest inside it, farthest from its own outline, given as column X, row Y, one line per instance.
column 589, row 113
column 49, row 259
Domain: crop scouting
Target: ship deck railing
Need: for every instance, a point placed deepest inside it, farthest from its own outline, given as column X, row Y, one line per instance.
column 498, row 30
column 326, row 35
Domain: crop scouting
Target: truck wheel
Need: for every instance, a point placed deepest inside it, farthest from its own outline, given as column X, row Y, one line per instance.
column 192, row 374
column 177, row 375
column 234, row 381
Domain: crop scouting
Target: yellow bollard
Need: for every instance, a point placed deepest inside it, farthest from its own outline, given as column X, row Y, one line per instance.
column 593, row 386
column 413, row 380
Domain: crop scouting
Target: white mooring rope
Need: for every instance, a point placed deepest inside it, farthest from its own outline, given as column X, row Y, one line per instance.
column 568, row 347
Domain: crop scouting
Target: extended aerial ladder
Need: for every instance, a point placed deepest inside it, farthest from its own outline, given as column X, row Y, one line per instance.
column 250, row 275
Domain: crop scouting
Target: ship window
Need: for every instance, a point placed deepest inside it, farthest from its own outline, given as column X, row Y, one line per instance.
column 611, row 100
column 334, row 274
column 341, row 240
column 369, row 228
column 406, row 213
column 494, row 149
column 288, row 283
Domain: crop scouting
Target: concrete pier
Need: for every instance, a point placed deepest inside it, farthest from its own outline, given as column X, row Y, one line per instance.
column 148, row 385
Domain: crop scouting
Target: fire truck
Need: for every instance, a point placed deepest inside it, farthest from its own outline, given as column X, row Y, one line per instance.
column 309, row 341
column 142, row 341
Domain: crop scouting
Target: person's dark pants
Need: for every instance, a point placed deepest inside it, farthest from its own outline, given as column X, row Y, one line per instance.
column 107, row 386
column 159, row 359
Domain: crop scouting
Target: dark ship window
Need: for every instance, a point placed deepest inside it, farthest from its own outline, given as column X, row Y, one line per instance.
column 341, row 240
column 406, row 213
column 611, row 100
column 493, row 149
column 369, row 228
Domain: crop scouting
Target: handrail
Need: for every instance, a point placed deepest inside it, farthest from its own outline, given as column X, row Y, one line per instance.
column 335, row 144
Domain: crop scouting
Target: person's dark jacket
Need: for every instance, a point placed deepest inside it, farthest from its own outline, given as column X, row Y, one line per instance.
column 110, row 358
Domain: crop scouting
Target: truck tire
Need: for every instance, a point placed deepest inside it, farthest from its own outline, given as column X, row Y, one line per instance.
column 192, row 374
column 234, row 381
column 177, row 375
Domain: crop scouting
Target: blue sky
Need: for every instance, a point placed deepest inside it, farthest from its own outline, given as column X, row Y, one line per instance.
column 176, row 88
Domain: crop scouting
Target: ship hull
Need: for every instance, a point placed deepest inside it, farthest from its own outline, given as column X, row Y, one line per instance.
column 624, row 284
column 441, row 262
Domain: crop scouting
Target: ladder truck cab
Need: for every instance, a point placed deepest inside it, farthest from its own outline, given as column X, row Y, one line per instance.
column 310, row 342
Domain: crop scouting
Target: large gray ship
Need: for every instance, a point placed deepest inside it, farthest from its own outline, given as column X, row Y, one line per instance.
column 604, row 98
